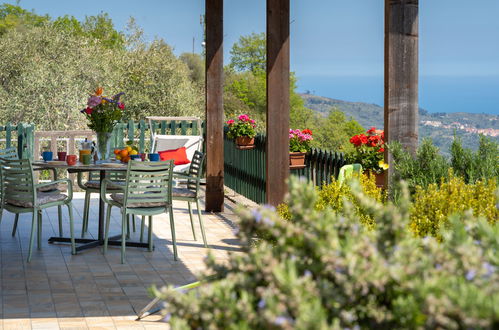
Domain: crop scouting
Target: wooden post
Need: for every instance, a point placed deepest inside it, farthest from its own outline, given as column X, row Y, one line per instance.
column 214, row 106
column 401, row 74
column 277, row 163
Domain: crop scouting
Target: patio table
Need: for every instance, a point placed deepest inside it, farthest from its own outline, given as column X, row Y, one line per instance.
column 87, row 243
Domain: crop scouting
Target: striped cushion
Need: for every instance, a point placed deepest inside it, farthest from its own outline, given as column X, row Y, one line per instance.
column 119, row 199
column 42, row 198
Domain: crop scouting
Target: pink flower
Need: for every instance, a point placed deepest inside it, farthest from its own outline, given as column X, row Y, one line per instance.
column 243, row 118
column 252, row 121
column 121, row 106
column 230, row 122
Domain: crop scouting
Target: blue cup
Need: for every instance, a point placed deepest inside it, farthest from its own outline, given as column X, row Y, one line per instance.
column 135, row 157
column 47, row 155
column 154, row 157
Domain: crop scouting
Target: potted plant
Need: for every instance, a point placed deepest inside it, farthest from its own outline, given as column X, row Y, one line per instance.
column 369, row 152
column 299, row 145
column 103, row 114
column 242, row 130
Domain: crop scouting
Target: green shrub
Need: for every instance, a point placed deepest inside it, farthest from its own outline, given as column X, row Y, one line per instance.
column 432, row 206
column 428, row 166
column 334, row 195
column 323, row 270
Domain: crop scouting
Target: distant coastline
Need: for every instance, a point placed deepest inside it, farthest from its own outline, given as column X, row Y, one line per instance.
column 472, row 94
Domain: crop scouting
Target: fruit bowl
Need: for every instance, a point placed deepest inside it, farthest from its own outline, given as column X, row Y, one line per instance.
column 123, row 155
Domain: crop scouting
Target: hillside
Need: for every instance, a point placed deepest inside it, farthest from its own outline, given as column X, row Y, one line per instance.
column 439, row 126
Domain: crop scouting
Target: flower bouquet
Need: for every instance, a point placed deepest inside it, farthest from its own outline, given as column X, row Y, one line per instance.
column 103, row 114
column 299, row 145
column 242, row 130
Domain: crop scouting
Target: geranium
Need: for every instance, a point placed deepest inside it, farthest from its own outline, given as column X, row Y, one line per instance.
column 369, row 150
column 102, row 112
column 244, row 126
column 299, row 141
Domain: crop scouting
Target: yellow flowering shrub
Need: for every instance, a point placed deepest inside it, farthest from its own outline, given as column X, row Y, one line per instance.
column 432, row 206
column 334, row 195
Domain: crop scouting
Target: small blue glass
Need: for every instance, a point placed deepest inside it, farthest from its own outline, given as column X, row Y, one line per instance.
column 154, row 157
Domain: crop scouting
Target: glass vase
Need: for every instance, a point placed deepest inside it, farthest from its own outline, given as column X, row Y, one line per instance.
column 103, row 145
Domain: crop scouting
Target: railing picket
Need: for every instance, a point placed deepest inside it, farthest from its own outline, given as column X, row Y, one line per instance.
column 142, row 138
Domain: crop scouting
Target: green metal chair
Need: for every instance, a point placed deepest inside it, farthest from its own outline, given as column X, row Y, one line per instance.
column 11, row 153
column 346, row 172
column 92, row 185
column 189, row 193
column 147, row 192
column 21, row 195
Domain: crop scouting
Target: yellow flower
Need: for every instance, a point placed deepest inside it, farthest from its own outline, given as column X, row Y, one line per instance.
column 103, row 101
column 383, row 165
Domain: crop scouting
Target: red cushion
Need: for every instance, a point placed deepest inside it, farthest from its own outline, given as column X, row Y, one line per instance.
column 179, row 156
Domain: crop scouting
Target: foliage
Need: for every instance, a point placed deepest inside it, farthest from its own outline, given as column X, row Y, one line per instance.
column 334, row 131
column 195, row 63
column 44, row 69
column 102, row 112
column 369, row 150
column 432, row 206
column 428, row 166
column 15, row 17
column 249, row 54
column 244, row 126
column 333, row 197
column 299, row 141
column 479, row 165
column 322, row 270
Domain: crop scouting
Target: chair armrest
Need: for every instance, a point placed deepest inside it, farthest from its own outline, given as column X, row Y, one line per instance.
column 79, row 181
column 187, row 177
column 66, row 181
column 103, row 189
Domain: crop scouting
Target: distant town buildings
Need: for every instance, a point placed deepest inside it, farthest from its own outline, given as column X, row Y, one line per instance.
column 463, row 127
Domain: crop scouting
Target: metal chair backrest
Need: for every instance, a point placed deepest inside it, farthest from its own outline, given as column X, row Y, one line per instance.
column 346, row 172
column 195, row 171
column 113, row 176
column 18, row 183
column 149, row 182
column 9, row 153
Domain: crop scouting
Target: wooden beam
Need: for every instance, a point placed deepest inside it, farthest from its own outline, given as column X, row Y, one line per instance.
column 401, row 74
column 214, row 106
column 277, row 163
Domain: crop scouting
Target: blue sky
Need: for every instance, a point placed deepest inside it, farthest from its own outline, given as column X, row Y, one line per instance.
column 329, row 38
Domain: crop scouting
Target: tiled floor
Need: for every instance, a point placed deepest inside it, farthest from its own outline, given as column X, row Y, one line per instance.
column 60, row 291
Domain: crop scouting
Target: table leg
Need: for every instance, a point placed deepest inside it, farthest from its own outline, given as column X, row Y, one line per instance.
column 101, row 209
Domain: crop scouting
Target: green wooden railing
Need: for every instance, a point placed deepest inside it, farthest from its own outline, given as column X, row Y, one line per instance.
column 245, row 169
column 20, row 136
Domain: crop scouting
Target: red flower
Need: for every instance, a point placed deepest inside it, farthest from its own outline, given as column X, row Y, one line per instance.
column 381, row 149
column 372, row 130
column 355, row 140
column 383, row 136
column 89, row 110
column 363, row 139
column 121, row 106
column 373, row 140
column 307, row 131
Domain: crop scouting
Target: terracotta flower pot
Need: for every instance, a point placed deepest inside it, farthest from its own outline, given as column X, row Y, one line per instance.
column 245, row 141
column 296, row 158
column 380, row 178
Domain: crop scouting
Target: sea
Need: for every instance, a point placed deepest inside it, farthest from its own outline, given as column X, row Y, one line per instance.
column 476, row 94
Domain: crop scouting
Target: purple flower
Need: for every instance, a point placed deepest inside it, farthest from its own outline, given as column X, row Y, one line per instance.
column 94, row 101
column 470, row 275
column 262, row 304
column 307, row 273
column 280, row 320
column 490, row 269
column 257, row 215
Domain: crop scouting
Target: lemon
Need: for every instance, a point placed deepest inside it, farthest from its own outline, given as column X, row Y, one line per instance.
column 118, row 157
column 128, row 148
column 134, row 152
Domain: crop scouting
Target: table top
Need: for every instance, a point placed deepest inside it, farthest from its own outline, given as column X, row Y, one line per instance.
column 81, row 167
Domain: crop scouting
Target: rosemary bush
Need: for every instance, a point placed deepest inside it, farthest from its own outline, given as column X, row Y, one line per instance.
column 323, row 270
